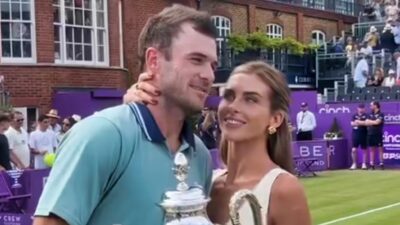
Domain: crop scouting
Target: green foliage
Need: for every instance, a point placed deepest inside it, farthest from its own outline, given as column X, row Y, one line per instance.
column 238, row 43
column 259, row 40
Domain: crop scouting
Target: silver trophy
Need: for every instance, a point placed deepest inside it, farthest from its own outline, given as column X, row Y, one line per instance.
column 15, row 174
column 187, row 205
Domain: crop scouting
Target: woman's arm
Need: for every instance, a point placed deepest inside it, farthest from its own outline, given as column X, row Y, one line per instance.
column 288, row 202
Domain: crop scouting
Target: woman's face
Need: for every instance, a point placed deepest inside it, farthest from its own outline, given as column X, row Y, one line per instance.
column 244, row 112
column 378, row 73
column 66, row 125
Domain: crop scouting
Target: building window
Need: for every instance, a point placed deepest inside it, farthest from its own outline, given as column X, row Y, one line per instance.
column 345, row 7
column 223, row 26
column 316, row 4
column 80, row 32
column 318, row 37
column 17, row 31
column 274, row 31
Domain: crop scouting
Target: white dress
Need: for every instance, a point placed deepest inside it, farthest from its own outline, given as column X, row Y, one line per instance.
column 262, row 191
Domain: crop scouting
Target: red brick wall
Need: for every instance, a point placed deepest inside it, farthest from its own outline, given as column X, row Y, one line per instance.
column 34, row 85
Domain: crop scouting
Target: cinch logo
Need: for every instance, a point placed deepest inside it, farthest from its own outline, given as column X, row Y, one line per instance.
column 392, row 118
column 340, row 109
column 391, row 138
column 391, row 155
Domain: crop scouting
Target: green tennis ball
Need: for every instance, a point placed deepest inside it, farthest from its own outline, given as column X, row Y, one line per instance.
column 49, row 159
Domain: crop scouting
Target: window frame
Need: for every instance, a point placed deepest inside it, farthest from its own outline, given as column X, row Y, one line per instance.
column 63, row 60
column 270, row 27
column 32, row 21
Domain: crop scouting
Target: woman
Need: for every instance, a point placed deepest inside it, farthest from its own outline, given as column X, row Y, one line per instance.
column 377, row 79
column 66, row 126
column 256, row 146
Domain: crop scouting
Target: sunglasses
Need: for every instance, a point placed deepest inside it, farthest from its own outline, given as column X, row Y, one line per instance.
column 20, row 120
column 67, row 124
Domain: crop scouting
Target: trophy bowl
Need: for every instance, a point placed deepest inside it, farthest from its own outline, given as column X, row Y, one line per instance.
column 188, row 205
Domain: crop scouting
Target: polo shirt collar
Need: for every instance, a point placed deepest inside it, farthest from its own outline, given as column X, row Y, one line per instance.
column 151, row 129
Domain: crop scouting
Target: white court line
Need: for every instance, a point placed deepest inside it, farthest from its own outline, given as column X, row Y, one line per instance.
column 361, row 214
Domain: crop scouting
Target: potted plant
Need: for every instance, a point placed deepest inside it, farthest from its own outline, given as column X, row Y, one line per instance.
column 334, row 132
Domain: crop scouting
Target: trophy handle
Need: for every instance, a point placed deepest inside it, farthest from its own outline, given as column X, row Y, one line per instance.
column 237, row 200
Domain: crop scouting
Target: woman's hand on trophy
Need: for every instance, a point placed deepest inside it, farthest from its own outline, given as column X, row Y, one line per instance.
column 143, row 91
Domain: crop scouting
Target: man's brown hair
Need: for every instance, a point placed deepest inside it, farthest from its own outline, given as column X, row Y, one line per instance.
column 160, row 29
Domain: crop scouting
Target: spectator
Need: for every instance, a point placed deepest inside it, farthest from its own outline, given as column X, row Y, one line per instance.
column 372, row 38
column 53, row 117
column 66, row 126
column 350, row 50
column 41, row 141
column 366, row 49
column 387, row 39
column 361, row 72
column 390, row 81
column 391, row 10
column 377, row 79
column 18, row 141
column 5, row 163
column 396, row 57
column 208, row 128
column 396, row 32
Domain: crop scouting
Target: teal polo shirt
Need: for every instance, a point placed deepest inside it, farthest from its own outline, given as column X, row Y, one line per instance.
column 114, row 167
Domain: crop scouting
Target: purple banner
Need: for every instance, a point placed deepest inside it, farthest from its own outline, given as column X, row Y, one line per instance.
column 15, row 219
column 391, row 144
column 338, row 154
column 312, row 149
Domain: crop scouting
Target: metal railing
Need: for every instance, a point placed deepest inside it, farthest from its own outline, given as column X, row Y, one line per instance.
column 346, row 7
column 360, row 29
column 336, row 65
column 299, row 69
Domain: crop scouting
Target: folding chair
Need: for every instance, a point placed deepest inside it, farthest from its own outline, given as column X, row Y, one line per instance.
column 303, row 165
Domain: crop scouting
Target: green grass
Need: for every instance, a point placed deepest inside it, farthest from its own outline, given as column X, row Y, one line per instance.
column 336, row 194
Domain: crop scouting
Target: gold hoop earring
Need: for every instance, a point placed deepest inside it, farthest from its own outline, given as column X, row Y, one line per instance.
column 271, row 130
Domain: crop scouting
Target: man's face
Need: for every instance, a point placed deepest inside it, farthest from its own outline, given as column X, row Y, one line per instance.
column 44, row 125
column 372, row 107
column 304, row 108
column 18, row 121
column 186, row 78
column 53, row 121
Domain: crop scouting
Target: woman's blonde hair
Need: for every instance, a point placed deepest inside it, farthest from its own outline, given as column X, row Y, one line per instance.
column 279, row 145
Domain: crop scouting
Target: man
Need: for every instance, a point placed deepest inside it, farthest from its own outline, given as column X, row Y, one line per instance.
column 53, row 117
column 207, row 127
column 306, row 123
column 5, row 163
column 42, row 141
column 361, row 71
column 359, row 136
column 375, row 123
column 115, row 166
column 396, row 56
column 18, row 140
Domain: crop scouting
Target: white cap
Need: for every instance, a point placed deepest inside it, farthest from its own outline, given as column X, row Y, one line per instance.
column 76, row 117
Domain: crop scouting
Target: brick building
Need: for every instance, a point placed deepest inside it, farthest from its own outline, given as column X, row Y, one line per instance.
column 52, row 46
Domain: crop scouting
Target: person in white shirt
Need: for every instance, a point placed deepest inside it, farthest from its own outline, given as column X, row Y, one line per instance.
column 42, row 141
column 390, row 81
column 306, row 123
column 361, row 72
column 396, row 57
column 18, row 141
column 53, row 117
